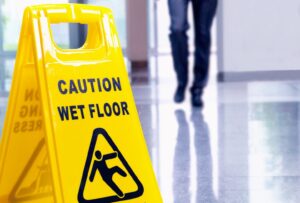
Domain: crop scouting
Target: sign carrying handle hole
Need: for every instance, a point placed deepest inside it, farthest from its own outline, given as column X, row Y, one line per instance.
column 74, row 14
column 69, row 35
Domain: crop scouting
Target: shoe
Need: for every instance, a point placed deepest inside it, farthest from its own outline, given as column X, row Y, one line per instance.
column 179, row 94
column 197, row 97
column 121, row 195
column 197, row 101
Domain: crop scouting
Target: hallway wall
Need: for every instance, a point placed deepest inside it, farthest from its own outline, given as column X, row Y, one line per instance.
column 259, row 35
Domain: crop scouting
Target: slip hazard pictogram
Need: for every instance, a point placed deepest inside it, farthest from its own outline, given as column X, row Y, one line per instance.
column 107, row 177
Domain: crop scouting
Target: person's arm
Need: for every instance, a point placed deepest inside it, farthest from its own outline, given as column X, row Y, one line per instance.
column 93, row 173
column 110, row 156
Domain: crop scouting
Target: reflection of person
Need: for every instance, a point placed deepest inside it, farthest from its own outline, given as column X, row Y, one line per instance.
column 107, row 173
column 182, row 161
column 204, row 11
column 203, row 159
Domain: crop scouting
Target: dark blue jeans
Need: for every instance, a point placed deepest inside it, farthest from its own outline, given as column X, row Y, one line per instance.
column 203, row 14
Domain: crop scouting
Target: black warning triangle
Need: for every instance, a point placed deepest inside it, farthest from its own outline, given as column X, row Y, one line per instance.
column 35, row 182
column 99, row 168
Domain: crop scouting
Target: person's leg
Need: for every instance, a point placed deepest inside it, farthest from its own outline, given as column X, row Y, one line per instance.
column 179, row 44
column 204, row 12
column 118, row 170
column 114, row 187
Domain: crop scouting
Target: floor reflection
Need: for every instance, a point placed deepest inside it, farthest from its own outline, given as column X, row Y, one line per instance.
column 274, row 151
column 203, row 158
column 182, row 184
column 182, row 161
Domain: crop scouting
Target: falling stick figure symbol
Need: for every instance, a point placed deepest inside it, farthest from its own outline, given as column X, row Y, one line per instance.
column 107, row 173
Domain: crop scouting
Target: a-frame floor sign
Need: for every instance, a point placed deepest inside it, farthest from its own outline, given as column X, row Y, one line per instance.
column 72, row 132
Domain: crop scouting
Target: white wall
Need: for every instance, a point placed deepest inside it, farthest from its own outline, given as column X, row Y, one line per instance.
column 260, row 35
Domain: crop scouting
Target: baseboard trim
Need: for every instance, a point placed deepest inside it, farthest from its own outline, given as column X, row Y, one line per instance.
column 258, row 76
column 139, row 66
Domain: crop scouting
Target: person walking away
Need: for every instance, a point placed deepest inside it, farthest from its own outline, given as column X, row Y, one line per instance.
column 203, row 14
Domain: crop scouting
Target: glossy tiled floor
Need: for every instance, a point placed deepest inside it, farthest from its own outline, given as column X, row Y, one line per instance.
column 243, row 147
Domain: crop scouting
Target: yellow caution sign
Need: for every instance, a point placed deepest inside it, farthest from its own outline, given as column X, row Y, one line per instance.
column 72, row 132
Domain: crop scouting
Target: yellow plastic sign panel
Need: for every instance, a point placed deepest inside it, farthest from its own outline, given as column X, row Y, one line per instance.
column 72, row 132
